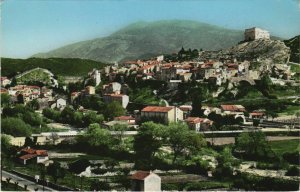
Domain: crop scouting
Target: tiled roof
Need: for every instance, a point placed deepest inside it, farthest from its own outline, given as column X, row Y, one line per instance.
column 232, row 108
column 41, row 152
column 185, row 108
column 157, row 109
column 124, row 118
column 257, row 113
column 194, row 120
column 3, row 90
column 28, row 150
column 140, row 175
column 34, row 152
column 27, row 156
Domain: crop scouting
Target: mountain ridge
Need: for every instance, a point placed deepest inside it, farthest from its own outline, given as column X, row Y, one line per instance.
column 147, row 39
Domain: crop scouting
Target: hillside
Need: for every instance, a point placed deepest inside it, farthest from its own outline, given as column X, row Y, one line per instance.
column 59, row 66
column 146, row 39
column 294, row 45
column 263, row 49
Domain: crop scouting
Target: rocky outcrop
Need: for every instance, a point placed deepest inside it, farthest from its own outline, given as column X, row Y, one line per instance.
column 262, row 49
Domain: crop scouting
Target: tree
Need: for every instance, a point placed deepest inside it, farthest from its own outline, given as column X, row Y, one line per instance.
column 78, row 119
column 114, row 109
column 123, row 178
column 56, row 171
column 226, row 163
column 6, row 148
column 197, row 97
column 119, row 130
column 34, row 104
column 147, row 142
column 92, row 117
column 254, row 145
column 32, row 118
column 78, row 167
column 51, row 114
column 30, row 141
column 97, row 185
column 20, row 99
column 15, row 127
column 181, row 138
column 5, row 100
column 67, row 115
column 97, row 136
column 110, row 164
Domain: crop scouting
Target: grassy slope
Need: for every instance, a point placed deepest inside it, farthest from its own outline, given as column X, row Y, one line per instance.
column 59, row 66
column 281, row 147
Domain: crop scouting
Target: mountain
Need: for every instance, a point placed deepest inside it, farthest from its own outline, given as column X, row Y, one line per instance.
column 294, row 45
column 59, row 66
column 147, row 39
column 263, row 49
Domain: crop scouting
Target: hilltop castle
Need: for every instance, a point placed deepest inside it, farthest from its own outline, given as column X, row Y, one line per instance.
column 256, row 33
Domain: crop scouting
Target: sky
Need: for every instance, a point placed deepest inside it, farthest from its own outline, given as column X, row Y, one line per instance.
column 33, row 26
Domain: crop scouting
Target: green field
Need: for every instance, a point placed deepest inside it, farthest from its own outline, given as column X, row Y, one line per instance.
column 58, row 66
column 281, row 147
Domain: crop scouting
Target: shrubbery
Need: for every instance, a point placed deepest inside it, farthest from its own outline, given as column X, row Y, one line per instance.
column 252, row 182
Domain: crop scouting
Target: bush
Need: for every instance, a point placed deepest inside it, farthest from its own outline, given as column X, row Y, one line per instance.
column 293, row 171
column 292, row 157
column 169, row 187
column 15, row 127
column 257, row 183
column 205, row 185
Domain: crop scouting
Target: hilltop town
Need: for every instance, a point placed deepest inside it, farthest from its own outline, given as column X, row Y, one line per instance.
column 191, row 120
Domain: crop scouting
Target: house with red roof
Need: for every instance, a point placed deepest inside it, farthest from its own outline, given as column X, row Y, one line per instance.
column 162, row 114
column 28, row 155
column 127, row 119
column 145, row 181
column 232, row 109
column 199, row 124
column 186, row 109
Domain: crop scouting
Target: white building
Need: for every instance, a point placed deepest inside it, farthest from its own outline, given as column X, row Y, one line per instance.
column 145, row 181
column 96, row 75
column 4, row 81
column 59, row 104
column 256, row 33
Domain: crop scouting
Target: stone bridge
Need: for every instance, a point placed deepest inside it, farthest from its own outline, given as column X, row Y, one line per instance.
column 239, row 79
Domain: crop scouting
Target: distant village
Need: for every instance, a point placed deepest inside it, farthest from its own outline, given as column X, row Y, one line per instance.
column 217, row 72
column 110, row 85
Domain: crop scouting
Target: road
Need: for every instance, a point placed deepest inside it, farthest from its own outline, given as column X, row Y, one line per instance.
column 30, row 185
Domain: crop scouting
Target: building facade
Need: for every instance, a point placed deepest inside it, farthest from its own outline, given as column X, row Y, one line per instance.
column 256, row 33
column 145, row 181
column 162, row 114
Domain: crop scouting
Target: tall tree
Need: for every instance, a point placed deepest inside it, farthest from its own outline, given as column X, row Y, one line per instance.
column 181, row 138
column 147, row 142
column 56, row 171
column 15, row 127
column 114, row 109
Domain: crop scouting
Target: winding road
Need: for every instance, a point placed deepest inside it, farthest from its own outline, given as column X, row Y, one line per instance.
column 31, row 186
